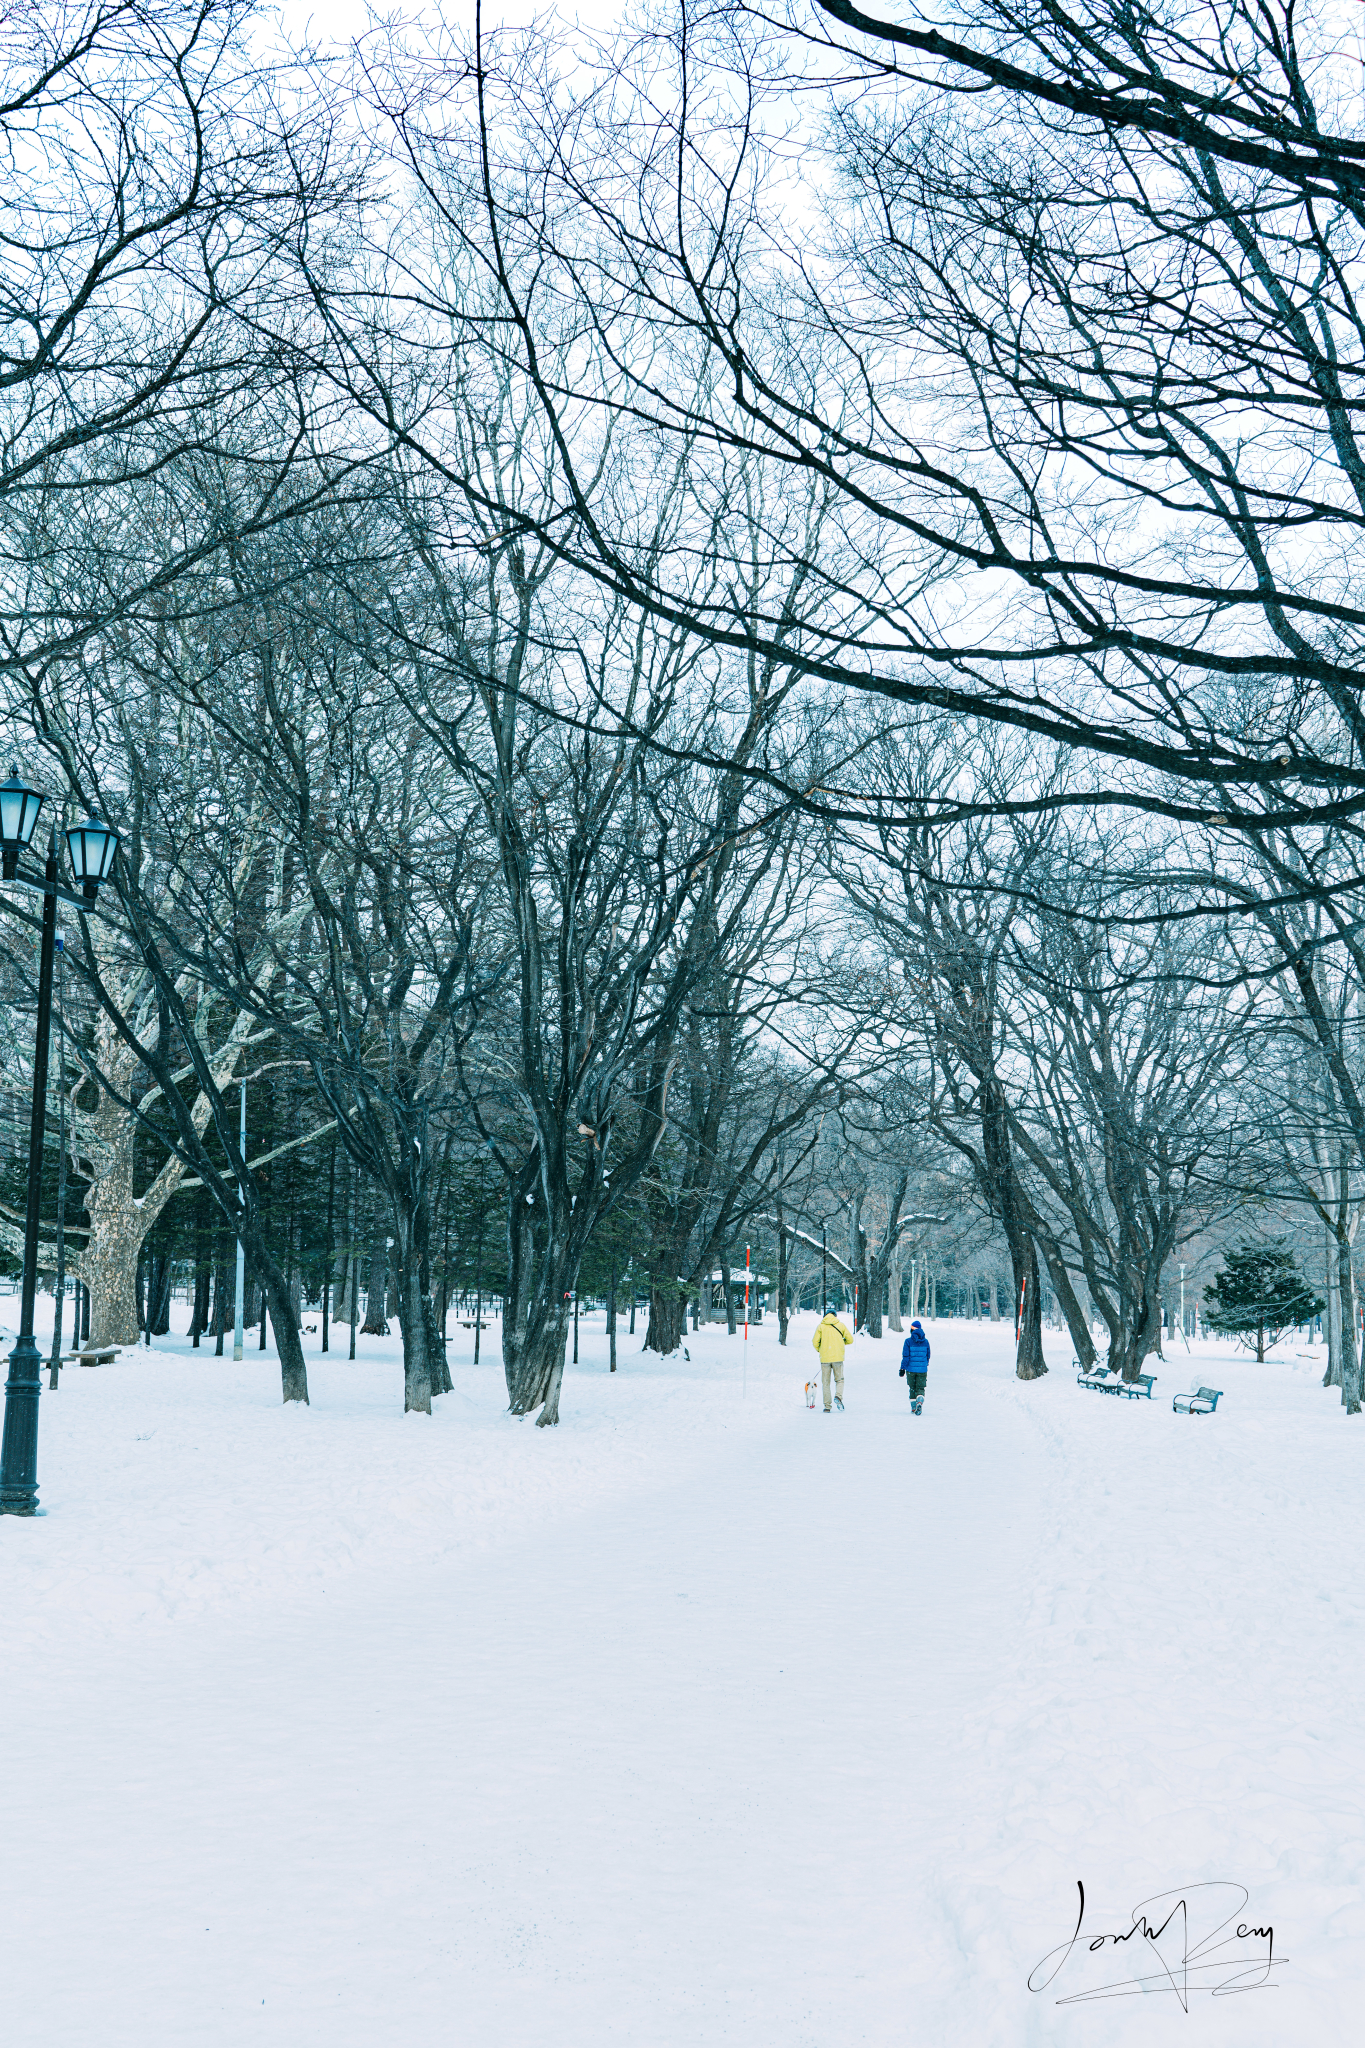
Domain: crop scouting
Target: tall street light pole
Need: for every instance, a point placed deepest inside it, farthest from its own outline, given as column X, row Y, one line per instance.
column 19, row 1451
column 90, row 848
column 59, row 1286
column 239, row 1295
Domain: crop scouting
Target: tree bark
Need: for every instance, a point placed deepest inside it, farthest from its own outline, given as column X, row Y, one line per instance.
column 857, row 1259
column 417, row 1332
column 535, row 1332
column 119, row 1223
column 160, row 1274
column 438, row 1368
column 221, row 1310
column 1332, row 1376
column 667, row 1318
column 203, row 1273
column 783, row 1306
column 995, row 1140
column 1350, row 1348
column 376, row 1323
column 1077, row 1322
column 293, row 1371
column 537, row 1372
column 540, row 1279
column 345, row 1290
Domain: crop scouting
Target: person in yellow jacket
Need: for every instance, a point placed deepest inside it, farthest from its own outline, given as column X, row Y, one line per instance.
column 829, row 1340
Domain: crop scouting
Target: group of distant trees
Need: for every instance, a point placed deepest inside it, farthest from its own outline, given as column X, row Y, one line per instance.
column 659, row 696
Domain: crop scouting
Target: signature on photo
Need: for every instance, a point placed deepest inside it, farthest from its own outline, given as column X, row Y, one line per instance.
column 1191, row 1940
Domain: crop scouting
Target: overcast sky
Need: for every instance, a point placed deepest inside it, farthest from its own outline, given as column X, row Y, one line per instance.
column 339, row 20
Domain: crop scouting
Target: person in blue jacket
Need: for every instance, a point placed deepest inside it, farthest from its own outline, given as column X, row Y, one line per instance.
column 915, row 1366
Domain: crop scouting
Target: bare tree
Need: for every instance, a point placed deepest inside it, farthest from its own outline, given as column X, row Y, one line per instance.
column 1126, row 324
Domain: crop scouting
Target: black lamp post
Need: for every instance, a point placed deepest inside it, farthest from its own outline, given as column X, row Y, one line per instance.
column 91, row 848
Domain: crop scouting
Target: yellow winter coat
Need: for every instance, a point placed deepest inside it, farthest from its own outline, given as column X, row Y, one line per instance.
column 830, row 1339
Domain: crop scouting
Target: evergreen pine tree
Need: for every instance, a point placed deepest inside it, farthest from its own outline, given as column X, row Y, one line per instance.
column 1260, row 1289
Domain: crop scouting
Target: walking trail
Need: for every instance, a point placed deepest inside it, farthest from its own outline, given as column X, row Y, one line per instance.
column 702, row 1719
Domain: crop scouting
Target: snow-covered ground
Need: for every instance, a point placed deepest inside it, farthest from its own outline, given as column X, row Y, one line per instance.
column 701, row 1719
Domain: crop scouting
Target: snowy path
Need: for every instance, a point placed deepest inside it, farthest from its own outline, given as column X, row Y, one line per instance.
column 703, row 1719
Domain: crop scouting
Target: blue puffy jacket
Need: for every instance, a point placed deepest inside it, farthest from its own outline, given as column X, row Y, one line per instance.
column 915, row 1355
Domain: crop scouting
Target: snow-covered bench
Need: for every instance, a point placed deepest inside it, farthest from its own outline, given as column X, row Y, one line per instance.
column 1139, row 1389
column 1202, row 1401
column 1100, row 1378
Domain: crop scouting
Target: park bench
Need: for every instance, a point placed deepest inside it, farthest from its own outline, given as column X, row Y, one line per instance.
column 88, row 1357
column 1101, row 1379
column 1139, row 1389
column 1202, row 1402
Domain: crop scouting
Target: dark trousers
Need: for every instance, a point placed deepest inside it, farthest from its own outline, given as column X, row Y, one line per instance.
column 916, row 1383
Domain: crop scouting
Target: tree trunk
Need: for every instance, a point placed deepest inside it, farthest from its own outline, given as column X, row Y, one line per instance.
column 203, row 1274
column 293, row 1371
column 534, row 1364
column 376, row 1323
column 727, row 1288
column 1128, row 1346
column 199, row 1319
column 1350, row 1348
column 893, row 1300
column 221, row 1308
column 876, row 1288
column 1332, row 1376
column 329, row 1247
column 160, row 1272
column 1007, row 1200
column 667, row 1315
column 1077, row 1321
column 417, row 1332
column 1029, row 1355
column 408, row 1261
column 438, row 1367
column 783, row 1306
column 118, row 1223
column 535, row 1324
column 857, row 1258
column 346, row 1288
column 110, row 1269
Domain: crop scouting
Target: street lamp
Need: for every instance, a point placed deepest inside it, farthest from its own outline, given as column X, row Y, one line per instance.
column 92, row 847
column 19, row 808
